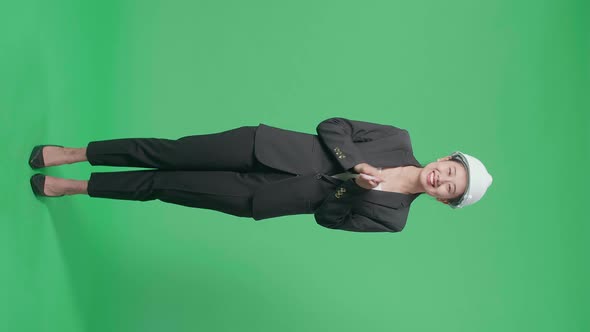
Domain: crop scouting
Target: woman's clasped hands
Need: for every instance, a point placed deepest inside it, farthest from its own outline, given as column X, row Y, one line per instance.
column 369, row 177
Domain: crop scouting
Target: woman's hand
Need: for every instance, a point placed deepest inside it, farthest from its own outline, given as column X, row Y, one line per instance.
column 368, row 176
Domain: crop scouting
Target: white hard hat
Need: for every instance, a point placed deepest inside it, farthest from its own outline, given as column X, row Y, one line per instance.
column 478, row 180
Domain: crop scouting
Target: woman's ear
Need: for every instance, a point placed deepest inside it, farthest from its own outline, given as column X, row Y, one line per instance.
column 444, row 201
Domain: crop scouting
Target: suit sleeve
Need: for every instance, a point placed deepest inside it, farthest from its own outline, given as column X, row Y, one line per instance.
column 340, row 134
column 336, row 212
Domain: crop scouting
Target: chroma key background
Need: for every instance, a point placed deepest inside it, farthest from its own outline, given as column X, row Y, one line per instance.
column 506, row 81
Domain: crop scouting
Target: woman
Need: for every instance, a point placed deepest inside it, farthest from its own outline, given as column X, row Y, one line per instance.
column 353, row 175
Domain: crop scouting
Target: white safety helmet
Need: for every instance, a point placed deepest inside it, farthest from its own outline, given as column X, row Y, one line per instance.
column 478, row 180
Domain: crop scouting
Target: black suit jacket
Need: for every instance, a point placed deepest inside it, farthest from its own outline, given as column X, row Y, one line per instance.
column 339, row 145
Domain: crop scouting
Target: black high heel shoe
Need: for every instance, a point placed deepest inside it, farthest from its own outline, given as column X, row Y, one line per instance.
column 38, row 183
column 36, row 158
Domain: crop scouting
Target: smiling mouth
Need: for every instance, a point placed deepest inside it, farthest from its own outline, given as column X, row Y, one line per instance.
column 431, row 179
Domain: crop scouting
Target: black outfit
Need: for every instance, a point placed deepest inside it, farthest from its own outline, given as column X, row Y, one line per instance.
column 264, row 172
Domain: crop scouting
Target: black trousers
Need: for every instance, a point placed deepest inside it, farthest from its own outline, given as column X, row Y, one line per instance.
column 212, row 171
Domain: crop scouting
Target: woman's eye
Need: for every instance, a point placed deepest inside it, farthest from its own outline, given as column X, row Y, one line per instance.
column 449, row 171
column 449, row 187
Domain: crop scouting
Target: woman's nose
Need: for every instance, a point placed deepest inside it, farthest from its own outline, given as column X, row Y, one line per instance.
column 443, row 178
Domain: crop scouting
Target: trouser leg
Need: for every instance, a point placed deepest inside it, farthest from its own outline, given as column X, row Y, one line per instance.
column 213, row 171
column 224, row 191
column 230, row 150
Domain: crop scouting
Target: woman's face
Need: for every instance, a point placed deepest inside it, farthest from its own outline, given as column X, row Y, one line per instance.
column 444, row 179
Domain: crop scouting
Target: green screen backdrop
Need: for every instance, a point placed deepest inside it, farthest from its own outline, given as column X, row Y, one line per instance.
column 506, row 81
